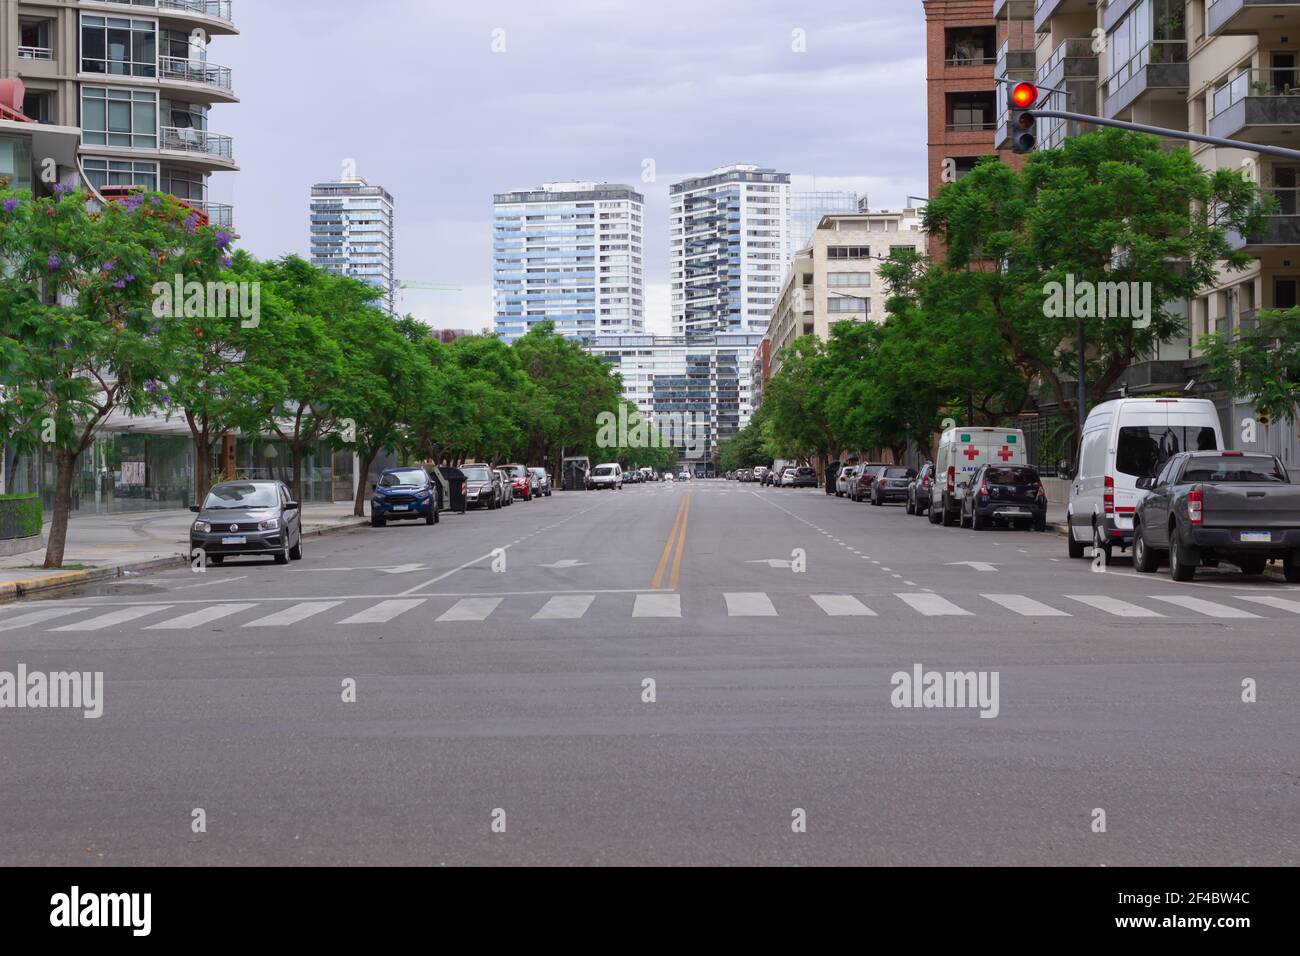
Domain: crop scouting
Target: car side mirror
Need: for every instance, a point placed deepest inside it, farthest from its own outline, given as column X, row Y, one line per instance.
column 374, row 486
column 1146, row 484
column 196, row 509
column 291, row 506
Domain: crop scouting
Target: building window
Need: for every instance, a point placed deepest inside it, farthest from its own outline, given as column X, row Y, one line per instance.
column 846, row 304
column 119, row 117
column 39, row 105
column 117, row 46
column 15, row 162
column 855, row 279
column 848, row 252
column 184, row 184
column 120, row 172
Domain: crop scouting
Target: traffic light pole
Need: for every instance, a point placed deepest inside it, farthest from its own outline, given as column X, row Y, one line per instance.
column 1171, row 133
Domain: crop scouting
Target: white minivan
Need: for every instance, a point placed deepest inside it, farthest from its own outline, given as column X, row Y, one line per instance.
column 1124, row 440
column 609, row 475
column 961, row 452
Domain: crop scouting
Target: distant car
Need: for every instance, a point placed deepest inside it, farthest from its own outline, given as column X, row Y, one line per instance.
column 760, row 474
column 248, row 518
column 521, row 481
column 609, row 476
column 507, row 487
column 541, row 482
column 1203, row 506
column 668, row 477
column 844, row 480
column 685, row 475
column 482, row 486
column 403, row 494
column 864, row 479
column 1009, row 493
column 804, row 477
column 891, row 484
column 919, row 490
column 786, row 478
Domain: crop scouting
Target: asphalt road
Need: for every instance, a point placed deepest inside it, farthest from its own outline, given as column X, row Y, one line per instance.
column 499, row 661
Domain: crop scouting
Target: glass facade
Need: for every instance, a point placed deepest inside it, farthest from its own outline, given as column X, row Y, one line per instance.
column 16, row 162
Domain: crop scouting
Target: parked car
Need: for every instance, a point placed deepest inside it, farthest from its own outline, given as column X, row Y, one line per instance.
column 609, row 476
column 521, row 481
column 844, row 480
column 685, row 475
column 507, row 487
column 961, row 452
column 541, row 482
column 864, row 479
column 1125, row 440
column 786, row 478
column 760, row 474
column 804, row 477
column 1205, row 506
column 402, row 494
column 890, row 484
column 482, row 486
column 1010, row 493
column 919, row 489
column 248, row 518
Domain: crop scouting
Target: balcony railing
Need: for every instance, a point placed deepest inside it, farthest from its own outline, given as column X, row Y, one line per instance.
column 974, row 126
column 196, row 141
column 1241, row 83
column 217, row 9
column 219, row 214
column 194, row 71
column 35, row 53
column 1074, row 48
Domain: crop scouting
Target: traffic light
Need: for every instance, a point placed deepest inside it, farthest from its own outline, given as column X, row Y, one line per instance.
column 1024, row 136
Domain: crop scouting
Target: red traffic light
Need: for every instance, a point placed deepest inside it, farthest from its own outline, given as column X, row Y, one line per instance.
column 1024, row 95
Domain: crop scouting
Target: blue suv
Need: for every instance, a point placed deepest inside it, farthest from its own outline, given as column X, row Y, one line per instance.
column 402, row 494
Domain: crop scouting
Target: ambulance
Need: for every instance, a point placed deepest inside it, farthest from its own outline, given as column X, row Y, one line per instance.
column 961, row 452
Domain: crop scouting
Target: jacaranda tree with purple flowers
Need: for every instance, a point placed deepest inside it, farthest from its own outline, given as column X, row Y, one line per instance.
column 78, row 336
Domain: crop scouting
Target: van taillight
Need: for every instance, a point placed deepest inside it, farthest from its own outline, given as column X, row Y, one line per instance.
column 1108, row 496
column 984, row 489
column 1195, row 505
column 952, row 478
column 1042, row 492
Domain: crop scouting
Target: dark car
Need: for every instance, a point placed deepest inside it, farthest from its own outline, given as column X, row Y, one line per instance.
column 402, row 494
column 541, row 482
column 891, row 484
column 482, row 486
column 507, row 488
column 860, row 487
column 1010, row 493
column 919, row 490
column 1208, row 505
column 247, row 518
column 804, row 477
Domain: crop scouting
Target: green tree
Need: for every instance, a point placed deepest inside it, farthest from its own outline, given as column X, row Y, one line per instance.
column 795, row 401
column 1262, row 364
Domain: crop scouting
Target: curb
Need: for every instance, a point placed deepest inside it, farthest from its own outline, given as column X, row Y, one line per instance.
column 11, row 591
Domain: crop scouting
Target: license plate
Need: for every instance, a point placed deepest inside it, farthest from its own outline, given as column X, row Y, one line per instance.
column 237, row 539
column 1016, row 511
column 401, row 507
column 1262, row 536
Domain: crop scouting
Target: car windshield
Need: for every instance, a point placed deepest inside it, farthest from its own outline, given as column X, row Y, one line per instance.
column 805, row 471
column 1264, row 470
column 1011, row 476
column 898, row 473
column 537, row 472
column 245, row 495
column 1143, row 449
column 605, row 470
column 477, row 474
column 413, row 476
column 516, row 471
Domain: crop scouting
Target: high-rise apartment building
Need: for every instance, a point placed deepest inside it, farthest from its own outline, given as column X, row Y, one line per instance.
column 134, row 77
column 729, row 246
column 807, row 206
column 352, row 234
column 569, row 253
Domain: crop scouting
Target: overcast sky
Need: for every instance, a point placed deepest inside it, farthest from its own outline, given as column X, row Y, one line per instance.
column 583, row 90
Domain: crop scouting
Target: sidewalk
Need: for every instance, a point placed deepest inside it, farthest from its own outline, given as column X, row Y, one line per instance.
column 108, row 546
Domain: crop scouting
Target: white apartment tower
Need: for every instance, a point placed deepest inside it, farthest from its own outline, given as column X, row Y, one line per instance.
column 352, row 234
column 729, row 246
column 568, row 253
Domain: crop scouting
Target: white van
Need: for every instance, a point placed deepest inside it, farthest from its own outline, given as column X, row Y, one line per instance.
column 609, row 475
column 1124, row 440
column 961, row 452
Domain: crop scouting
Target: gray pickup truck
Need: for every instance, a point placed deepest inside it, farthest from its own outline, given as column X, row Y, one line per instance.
column 1205, row 506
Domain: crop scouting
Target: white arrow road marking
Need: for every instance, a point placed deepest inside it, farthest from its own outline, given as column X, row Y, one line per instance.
column 566, row 563
column 974, row 565
column 773, row 562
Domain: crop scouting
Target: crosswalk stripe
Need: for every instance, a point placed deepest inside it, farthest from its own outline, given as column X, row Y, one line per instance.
column 197, row 618
column 1114, row 605
column 565, row 607
column 113, row 618
column 1202, row 606
column 1282, row 604
column 657, row 605
column 932, row 605
column 842, row 605
column 470, row 609
column 1025, row 606
column 756, row 604
column 383, row 612
column 37, row 617
column 292, row 615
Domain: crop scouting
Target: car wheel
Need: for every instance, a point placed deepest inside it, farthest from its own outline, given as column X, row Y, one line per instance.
column 1291, row 569
column 946, row 517
column 377, row 522
column 875, row 500
column 961, row 518
column 282, row 556
column 216, row 559
column 976, row 522
column 1182, row 561
column 1099, row 543
column 1040, row 524
column 1252, row 564
column 432, row 516
column 1075, row 546
column 1144, row 558
column 911, row 508
column 295, row 553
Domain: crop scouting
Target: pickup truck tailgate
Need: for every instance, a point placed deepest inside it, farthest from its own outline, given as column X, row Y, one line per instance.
column 1251, row 505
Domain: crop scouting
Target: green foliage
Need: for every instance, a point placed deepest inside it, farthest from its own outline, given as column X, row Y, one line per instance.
column 20, row 516
column 1262, row 364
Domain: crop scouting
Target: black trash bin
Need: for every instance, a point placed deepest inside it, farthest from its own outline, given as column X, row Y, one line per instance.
column 832, row 473
column 454, row 479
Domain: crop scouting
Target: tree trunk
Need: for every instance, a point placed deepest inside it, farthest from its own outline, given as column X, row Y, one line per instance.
column 64, row 471
column 202, row 464
column 359, row 506
column 295, row 451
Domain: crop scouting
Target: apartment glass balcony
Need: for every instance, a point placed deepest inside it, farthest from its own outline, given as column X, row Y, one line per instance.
column 1258, row 106
column 1016, row 54
column 219, row 214
column 216, row 9
column 198, row 143
column 1013, row 9
column 35, row 53
column 1245, row 17
column 1282, row 229
column 1044, row 10
column 200, row 72
column 1158, row 70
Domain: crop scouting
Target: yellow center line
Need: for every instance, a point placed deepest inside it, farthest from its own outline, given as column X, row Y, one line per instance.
column 668, row 547
column 681, row 543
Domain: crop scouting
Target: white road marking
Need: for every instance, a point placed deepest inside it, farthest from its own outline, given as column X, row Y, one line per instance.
column 1282, row 604
column 197, row 618
column 932, row 605
column 113, row 618
column 1025, row 606
column 208, row 584
column 292, row 615
column 383, row 612
column 565, row 607
column 750, row 604
column 842, row 605
column 37, row 617
column 1114, row 606
column 1208, row 608
column 470, row 609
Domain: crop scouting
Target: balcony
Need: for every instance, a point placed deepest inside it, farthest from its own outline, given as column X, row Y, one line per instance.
column 221, row 215
column 198, row 144
column 1248, row 17
column 214, row 15
column 35, row 53
column 177, row 69
column 1282, row 229
column 1044, row 10
column 1158, row 71
column 1258, row 106
column 1013, row 9
column 1015, row 55
column 1073, row 59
